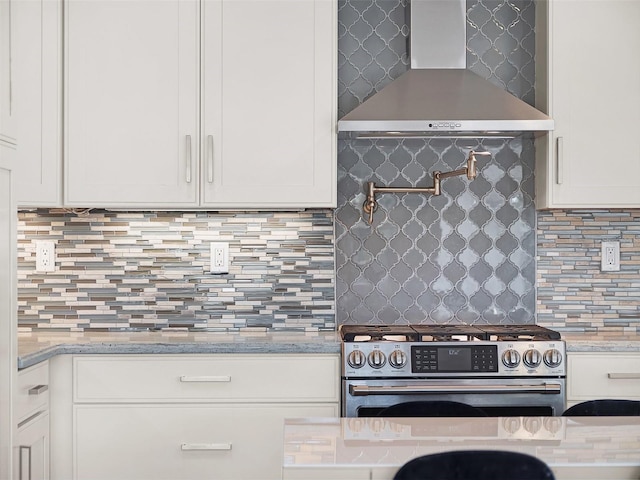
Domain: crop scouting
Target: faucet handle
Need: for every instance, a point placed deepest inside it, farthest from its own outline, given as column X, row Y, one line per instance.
column 471, row 164
column 370, row 205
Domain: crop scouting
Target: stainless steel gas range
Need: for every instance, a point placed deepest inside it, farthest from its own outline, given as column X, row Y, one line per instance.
column 505, row 370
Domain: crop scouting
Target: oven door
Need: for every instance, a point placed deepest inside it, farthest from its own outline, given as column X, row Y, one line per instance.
column 496, row 397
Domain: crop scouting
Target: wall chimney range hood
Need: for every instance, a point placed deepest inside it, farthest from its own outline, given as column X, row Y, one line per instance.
column 438, row 96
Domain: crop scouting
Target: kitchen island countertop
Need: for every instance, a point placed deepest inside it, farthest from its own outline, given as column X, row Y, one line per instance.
column 364, row 448
column 38, row 346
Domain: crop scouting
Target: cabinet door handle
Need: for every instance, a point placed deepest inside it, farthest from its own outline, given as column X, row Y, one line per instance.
column 38, row 389
column 24, row 448
column 624, row 376
column 188, row 177
column 205, row 378
column 210, row 158
column 559, row 159
column 205, row 446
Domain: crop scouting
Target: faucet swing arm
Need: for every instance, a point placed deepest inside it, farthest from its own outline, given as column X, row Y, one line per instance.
column 371, row 204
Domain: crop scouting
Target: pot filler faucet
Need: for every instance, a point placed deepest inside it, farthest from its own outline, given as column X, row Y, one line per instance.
column 371, row 205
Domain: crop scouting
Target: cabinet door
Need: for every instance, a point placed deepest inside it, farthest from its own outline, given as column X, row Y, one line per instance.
column 8, row 295
column 186, row 442
column 594, row 98
column 593, row 376
column 131, row 104
column 7, row 107
column 269, row 103
column 37, row 67
column 32, row 450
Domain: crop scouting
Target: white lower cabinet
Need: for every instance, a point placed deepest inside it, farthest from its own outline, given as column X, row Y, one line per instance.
column 192, row 416
column 600, row 375
column 31, row 410
column 32, row 450
column 180, row 442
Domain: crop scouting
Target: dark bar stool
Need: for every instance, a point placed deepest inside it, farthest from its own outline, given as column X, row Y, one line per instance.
column 604, row 408
column 476, row 465
column 426, row 408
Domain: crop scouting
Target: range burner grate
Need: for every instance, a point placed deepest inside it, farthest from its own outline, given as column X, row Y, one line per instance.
column 445, row 333
column 377, row 333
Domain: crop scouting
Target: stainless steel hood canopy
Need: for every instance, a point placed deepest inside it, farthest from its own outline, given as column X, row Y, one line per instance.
column 438, row 96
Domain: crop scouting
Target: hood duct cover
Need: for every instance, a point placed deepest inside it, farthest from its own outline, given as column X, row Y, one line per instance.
column 438, row 96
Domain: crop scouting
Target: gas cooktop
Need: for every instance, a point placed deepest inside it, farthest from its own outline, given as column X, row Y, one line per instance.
column 446, row 333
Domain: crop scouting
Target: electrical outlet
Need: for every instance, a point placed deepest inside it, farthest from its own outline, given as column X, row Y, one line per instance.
column 219, row 257
column 45, row 256
column 610, row 257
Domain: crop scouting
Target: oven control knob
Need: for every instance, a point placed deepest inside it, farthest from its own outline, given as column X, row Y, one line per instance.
column 397, row 359
column 510, row 358
column 377, row 359
column 356, row 359
column 531, row 358
column 552, row 358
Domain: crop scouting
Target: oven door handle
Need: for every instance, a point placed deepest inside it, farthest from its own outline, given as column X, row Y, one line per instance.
column 364, row 390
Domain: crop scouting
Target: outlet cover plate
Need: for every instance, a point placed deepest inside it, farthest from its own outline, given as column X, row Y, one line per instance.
column 610, row 257
column 45, row 256
column 219, row 257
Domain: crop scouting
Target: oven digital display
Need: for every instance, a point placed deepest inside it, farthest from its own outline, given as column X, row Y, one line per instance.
column 454, row 359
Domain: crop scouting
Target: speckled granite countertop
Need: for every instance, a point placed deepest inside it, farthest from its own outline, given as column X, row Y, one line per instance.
column 602, row 341
column 39, row 346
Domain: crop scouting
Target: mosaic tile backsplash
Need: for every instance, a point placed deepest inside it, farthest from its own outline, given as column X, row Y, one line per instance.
column 469, row 254
column 573, row 294
column 149, row 270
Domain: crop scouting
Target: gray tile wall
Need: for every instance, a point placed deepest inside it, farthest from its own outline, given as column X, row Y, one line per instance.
column 469, row 254
column 573, row 294
column 150, row 269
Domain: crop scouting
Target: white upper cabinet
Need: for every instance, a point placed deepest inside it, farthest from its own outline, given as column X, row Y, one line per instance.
column 7, row 107
column 200, row 104
column 131, row 103
column 37, row 90
column 588, row 71
column 269, row 103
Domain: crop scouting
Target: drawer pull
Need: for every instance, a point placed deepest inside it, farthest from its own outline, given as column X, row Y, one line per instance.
column 624, row 376
column 205, row 446
column 206, row 378
column 38, row 389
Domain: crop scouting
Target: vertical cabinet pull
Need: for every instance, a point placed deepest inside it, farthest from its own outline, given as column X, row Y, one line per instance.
column 205, row 446
column 188, row 176
column 559, row 160
column 210, row 158
column 26, row 449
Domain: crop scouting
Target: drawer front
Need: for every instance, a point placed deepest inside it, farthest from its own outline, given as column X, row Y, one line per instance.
column 186, row 442
column 217, row 378
column 32, row 394
column 603, row 375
